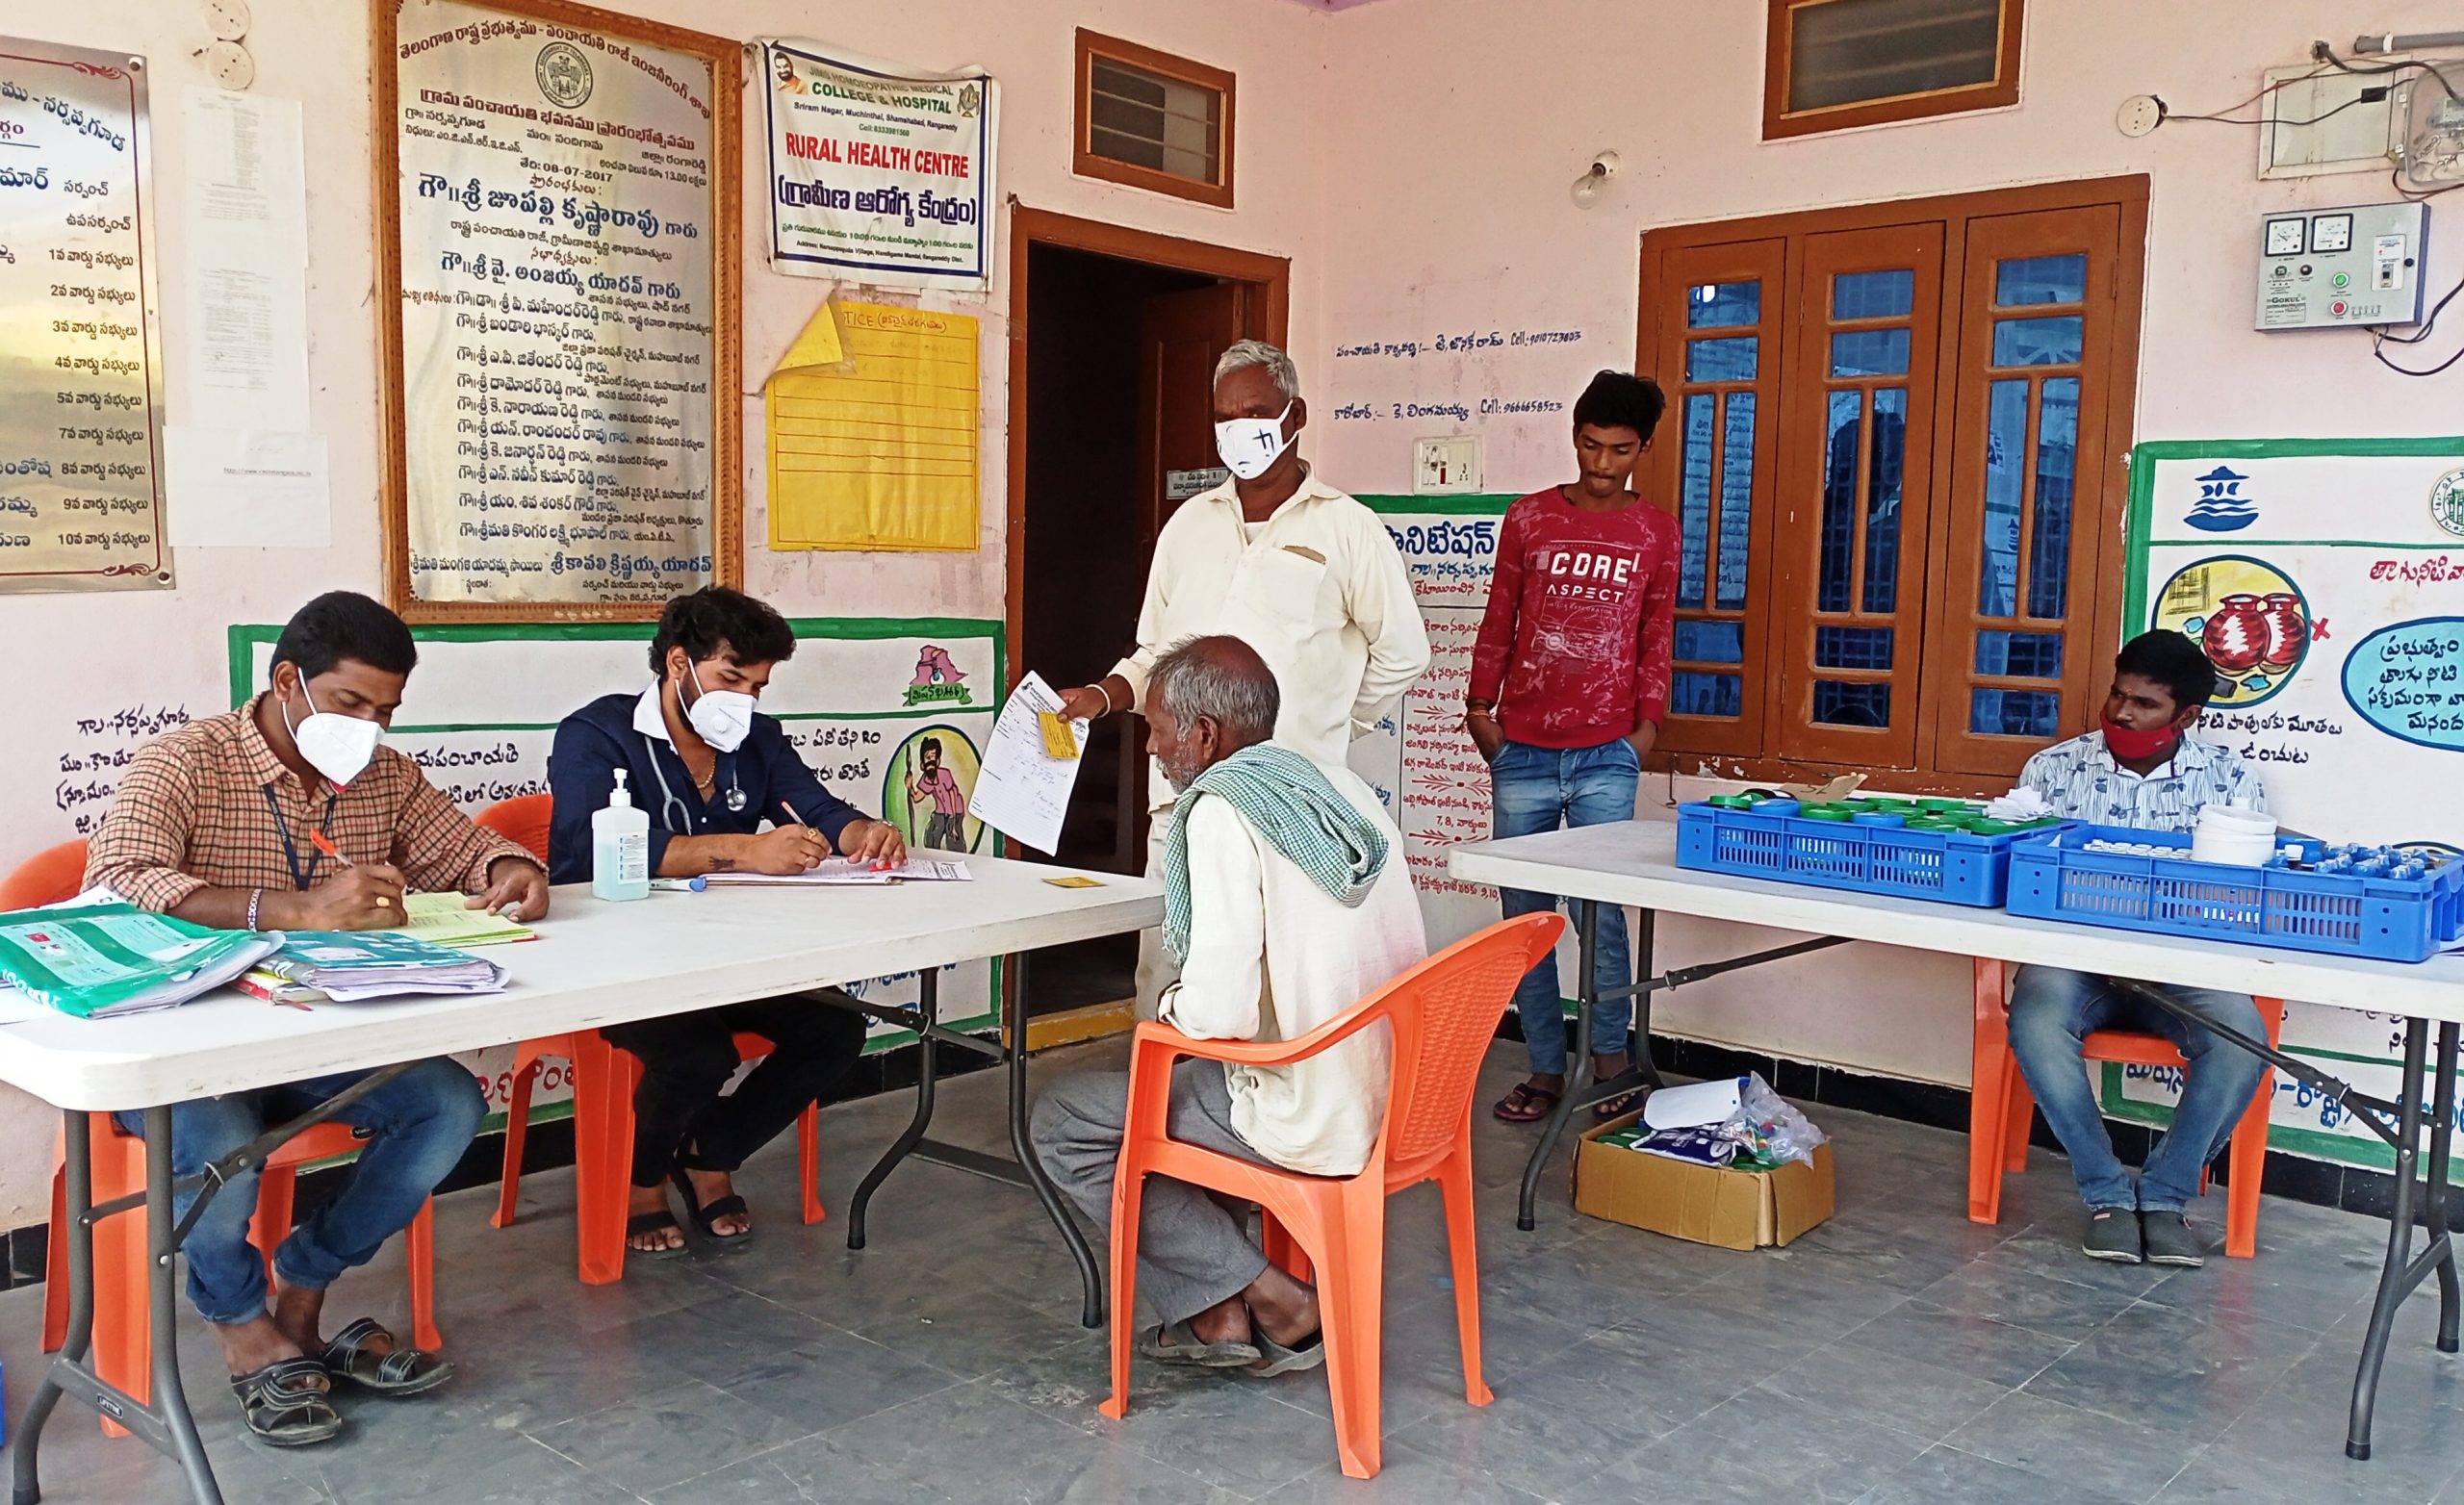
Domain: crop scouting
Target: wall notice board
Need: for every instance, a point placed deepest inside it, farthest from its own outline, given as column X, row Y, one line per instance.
column 558, row 202
column 860, row 700
column 2326, row 579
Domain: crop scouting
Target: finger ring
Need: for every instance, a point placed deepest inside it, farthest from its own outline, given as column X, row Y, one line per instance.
column 383, row 902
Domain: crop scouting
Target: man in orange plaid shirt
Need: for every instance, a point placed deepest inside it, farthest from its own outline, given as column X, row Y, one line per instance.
column 220, row 822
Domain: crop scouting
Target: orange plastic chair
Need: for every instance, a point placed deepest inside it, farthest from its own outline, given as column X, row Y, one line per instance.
column 52, row 876
column 124, row 1344
column 2001, row 1109
column 1444, row 1014
column 603, row 1079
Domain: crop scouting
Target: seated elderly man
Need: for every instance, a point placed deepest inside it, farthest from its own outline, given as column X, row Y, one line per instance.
column 1287, row 901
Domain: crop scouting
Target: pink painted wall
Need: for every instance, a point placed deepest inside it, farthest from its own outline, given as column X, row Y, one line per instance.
column 169, row 649
column 1456, row 128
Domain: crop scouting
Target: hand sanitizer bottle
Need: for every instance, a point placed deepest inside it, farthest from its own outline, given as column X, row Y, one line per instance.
column 620, row 848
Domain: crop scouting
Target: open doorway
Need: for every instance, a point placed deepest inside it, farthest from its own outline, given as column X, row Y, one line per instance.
column 1114, row 335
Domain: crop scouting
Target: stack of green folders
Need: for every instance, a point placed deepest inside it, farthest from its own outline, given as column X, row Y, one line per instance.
column 98, row 962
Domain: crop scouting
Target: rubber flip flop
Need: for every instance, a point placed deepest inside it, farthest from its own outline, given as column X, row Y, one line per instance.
column 1525, row 1104
column 650, row 1223
column 1176, row 1344
column 1276, row 1359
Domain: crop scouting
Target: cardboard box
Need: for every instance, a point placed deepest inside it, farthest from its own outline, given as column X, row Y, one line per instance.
column 1706, row 1204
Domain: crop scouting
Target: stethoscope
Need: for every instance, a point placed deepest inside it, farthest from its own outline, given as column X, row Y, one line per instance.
column 736, row 798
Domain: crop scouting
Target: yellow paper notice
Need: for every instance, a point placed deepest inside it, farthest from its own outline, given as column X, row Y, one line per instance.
column 875, row 444
column 1075, row 881
column 1059, row 740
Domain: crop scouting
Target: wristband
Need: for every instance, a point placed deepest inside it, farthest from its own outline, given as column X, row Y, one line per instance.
column 1107, row 695
column 256, row 896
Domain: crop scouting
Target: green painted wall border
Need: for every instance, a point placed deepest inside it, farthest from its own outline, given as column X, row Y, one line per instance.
column 241, row 639
column 2139, row 531
column 1459, row 504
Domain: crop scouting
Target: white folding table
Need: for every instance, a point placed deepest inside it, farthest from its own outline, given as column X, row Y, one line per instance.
column 1635, row 864
column 594, row 964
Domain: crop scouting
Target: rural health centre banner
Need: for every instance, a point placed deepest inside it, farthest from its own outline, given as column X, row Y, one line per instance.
column 892, row 713
column 877, row 173
column 2326, row 579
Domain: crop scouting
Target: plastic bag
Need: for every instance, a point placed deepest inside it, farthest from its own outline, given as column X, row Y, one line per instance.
column 1721, row 1122
column 1773, row 1126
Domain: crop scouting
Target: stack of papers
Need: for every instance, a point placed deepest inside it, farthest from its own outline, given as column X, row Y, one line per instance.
column 838, row 872
column 346, row 967
column 98, row 960
column 449, row 920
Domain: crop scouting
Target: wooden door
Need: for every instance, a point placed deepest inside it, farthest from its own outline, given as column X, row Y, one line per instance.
column 1181, row 336
column 2012, row 667
column 1855, row 495
column 1712, row 465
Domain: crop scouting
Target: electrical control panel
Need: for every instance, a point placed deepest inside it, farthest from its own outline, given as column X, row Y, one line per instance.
column 2320, row 268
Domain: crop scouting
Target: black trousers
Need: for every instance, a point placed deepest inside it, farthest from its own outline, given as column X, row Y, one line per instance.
column 686, row 1058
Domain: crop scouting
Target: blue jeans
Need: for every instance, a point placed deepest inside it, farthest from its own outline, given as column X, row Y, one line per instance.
column 1540, row 789
column 2053, row 1010
column 419, row 1124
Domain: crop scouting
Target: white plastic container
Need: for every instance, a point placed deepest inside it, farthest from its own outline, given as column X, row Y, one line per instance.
column 620, row 848
column 2233, row 834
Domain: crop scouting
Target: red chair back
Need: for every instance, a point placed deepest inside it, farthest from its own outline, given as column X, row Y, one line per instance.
column 52, row 876
column 1445, row 1012
column 523, row 818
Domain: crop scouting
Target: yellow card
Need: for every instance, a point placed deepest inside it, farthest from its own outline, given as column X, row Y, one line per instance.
column 1059, row 739
column 1075, row 881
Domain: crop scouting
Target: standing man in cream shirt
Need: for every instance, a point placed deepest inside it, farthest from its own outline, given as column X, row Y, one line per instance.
column 1301, row 571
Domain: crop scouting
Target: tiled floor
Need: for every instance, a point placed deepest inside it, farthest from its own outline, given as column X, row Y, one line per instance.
column 1898, row 1353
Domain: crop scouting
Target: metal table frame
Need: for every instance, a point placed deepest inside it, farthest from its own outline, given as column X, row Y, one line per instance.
column 1019, row 1170
column 165, row 1423
column 2420, row 1193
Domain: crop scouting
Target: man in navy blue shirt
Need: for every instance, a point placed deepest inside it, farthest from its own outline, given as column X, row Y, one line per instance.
column 710, row 771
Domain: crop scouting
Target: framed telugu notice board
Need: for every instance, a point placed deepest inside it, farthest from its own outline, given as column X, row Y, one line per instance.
column 558, row 209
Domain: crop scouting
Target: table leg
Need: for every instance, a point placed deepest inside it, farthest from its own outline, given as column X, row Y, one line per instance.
column 1577, row 1060
column 928, row 1063
column 2442, row 1135
column 1639, row 1041
column 162, row 1236
column 77, row 1168
column 1090, row 1277
column 2392, row 1286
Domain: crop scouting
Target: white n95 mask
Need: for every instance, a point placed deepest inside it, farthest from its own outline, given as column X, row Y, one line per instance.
column 720, row 718
column 338, row 747
column 1248, row 445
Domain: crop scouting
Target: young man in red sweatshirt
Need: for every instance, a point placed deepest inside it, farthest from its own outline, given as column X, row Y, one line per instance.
column 1569, row 683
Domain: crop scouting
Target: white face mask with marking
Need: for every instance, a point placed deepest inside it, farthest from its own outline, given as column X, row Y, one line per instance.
column 720, row 718
column 338, row 747
column 1250, row 446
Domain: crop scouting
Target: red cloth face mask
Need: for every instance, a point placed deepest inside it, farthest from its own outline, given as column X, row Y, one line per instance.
column 2137, row 745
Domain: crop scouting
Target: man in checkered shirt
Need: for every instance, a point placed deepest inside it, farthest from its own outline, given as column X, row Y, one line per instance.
column 218, row 824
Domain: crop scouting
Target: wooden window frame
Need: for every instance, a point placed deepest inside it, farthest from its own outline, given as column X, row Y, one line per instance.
column 1779, row 122
column 2100, row 501
column 1085, row 163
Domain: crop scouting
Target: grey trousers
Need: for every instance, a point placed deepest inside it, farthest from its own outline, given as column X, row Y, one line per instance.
column 1194, row 1250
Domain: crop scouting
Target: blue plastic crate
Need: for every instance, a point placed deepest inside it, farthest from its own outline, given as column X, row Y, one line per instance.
column 2391, row 919
column 1953, row 867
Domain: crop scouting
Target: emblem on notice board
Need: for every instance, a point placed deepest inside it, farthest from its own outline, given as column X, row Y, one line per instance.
column 2221, row 508
column 564, row 74
column 2447, row 502
column 970, row 100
